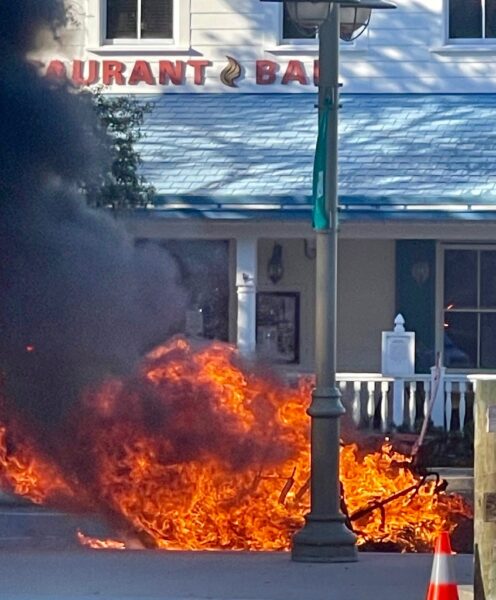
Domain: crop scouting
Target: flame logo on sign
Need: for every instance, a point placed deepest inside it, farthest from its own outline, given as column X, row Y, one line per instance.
column 231, row 72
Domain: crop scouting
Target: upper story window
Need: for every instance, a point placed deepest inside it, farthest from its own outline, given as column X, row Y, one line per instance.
column 291, row 31
column 139, row 19
column 153, row 25
column 293, row 34
column 472, row 19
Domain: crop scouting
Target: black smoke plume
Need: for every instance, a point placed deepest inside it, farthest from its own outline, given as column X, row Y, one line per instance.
column 78, row 300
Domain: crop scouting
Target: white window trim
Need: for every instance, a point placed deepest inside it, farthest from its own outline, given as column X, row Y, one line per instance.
column 275, row 44
column 181, row 41
column 463, row 46
column 439, row 320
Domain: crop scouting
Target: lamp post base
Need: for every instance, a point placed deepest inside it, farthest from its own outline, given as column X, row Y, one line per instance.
column 324, row 539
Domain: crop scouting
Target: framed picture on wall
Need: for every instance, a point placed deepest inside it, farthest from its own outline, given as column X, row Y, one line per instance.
column 278, row 326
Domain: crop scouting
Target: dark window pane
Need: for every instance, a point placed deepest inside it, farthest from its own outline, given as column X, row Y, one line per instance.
column 156, row 18
column 121, row 18
column 460, row 340
column 460, row 278
column 465, row 19
column 291, row 31
column 490, row 18
column 488, row 279
column 488, row 341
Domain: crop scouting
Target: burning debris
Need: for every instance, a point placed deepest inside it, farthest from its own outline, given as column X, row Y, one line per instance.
column 196, row 452
column 190, row 451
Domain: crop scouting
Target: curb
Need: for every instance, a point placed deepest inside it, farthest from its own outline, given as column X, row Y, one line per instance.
column 466, row 592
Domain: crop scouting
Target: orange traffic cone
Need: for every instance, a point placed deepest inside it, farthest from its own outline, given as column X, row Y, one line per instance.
column 443, row 585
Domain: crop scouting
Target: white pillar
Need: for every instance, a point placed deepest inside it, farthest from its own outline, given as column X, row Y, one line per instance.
column 246, row 289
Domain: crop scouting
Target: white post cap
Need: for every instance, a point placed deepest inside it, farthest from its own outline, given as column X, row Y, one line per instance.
column 399, row 324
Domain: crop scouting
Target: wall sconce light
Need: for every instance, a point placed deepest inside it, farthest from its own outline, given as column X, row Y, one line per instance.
column 275, row 269
column 421, row 272
column 310, row 248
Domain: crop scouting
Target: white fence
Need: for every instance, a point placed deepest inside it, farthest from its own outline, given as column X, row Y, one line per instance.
column 378, row 402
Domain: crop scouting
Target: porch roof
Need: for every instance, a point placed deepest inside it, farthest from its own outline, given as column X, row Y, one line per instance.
column 246, row 156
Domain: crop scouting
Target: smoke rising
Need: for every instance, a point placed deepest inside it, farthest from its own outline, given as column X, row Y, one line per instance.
column 78, row 300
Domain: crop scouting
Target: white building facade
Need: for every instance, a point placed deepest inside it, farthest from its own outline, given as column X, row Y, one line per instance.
column 229, row 148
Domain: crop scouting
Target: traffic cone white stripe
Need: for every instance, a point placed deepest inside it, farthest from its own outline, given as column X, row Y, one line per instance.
column 442, row 571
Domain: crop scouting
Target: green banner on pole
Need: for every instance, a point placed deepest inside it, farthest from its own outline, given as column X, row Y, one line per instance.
column 320, row 214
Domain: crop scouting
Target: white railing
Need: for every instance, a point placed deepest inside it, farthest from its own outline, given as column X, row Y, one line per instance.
column 378, row 402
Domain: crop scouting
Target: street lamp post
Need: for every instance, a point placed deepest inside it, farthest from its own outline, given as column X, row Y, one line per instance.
column 325, row 537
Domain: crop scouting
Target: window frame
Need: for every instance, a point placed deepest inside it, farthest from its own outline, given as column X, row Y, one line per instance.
column 478, row 41
column 181, row 32
column 138, row 39
column 445, row 247
column 303, row 41
column 276, row 44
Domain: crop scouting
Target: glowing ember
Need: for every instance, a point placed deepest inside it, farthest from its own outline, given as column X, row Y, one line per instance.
column 198, row 453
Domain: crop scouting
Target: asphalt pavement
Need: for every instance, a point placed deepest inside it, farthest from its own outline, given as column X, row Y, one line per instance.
column 152, row 575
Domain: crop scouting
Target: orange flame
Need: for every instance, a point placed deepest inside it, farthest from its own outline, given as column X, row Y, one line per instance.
column 198, row 453
column 27, row 473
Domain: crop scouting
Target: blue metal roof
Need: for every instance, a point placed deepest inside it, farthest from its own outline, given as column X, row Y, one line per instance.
column 235, row 155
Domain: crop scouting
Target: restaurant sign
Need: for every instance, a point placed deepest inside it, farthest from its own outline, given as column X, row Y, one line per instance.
column 179, row 72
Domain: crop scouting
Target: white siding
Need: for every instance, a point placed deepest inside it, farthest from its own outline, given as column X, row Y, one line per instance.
column 404, row 50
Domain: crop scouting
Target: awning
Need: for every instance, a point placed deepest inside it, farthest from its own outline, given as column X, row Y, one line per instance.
column 245, row 156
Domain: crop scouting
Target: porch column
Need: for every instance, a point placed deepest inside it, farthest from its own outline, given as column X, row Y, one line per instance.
column 246, row 289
